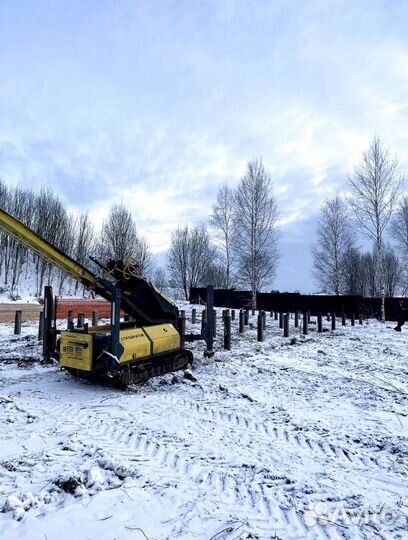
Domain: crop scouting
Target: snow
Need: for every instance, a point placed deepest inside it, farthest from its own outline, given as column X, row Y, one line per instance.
column 25, row 292
column 292, row 438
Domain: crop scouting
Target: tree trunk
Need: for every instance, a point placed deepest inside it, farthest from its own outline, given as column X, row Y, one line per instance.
column 253, row 297
column 381, row 272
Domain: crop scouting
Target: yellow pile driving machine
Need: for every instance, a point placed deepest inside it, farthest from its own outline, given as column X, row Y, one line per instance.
column 150, row 343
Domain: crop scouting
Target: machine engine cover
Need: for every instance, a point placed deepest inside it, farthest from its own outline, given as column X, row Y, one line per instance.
column 135, row 344
column 164, row 337
column 76, row 351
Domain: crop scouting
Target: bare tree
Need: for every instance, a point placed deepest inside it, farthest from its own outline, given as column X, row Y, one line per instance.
column 84, row 241
column 399, row 226
column 143, row 256
column 376, row 186
column 333, row 247
column 361, row 277
column 399, row 230
column 6, row 197
column 50, row 220
column 159, row 279
column 222, row 219
column 255, row 228
column 84, row 238
column 178, row 258
column 202, row 254
column 189, row 256
column 66, row 242
column 216, row 274
column 22, row 203
column 3, row 194
column 4, row 239
column 392, row 271
column 19, row 203
column 369, row 271
column 119, row 239
column 353, row 275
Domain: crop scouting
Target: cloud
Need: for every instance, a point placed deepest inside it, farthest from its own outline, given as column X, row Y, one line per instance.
column 157, row 104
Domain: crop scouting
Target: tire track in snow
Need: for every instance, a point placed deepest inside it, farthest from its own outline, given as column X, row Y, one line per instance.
column 259, row 503
column 297, row 439
column 78, row 417
column 260, row 500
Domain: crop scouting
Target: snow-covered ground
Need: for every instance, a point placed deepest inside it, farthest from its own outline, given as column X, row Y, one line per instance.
column 303, row 437
column 25, row 292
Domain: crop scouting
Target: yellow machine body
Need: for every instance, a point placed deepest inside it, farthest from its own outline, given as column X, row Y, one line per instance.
column 77, row 350
column 135, row 343
column 164, row 338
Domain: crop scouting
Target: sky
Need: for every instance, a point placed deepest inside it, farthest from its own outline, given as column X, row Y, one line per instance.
column 156, row 104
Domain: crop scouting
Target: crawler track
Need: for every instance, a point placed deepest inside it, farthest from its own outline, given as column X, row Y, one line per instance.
column 137, row 374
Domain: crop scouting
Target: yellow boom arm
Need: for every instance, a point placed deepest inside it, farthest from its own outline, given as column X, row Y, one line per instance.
column 138, row 297
column 41, row 247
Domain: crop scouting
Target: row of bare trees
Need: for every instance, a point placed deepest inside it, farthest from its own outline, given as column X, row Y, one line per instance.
column 399, row 232
column 374, row 207
column 45, row 214
column 244, row 226
column 75, row 235
column 362, row 276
